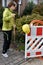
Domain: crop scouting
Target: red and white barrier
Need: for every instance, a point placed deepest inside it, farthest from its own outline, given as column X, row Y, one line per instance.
column 34, row 42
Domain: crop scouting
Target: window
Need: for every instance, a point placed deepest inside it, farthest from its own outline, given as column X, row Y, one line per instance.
column 19, row 2
column 5, row 2
column 34, row 1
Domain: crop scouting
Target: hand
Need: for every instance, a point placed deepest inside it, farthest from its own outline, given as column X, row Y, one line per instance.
column 13, row 15
column 14, row 26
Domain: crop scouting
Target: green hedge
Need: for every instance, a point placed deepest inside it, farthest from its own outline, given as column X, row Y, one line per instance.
column 32, row 8
column 38, row 9
column 20, row 36
column 29, row 8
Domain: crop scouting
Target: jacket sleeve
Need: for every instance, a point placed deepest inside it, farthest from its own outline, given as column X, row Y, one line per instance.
column 6, row 16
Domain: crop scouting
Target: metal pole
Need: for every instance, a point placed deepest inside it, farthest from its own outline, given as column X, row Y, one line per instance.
column 3, row 3
column 19, row 3
column 19, row 9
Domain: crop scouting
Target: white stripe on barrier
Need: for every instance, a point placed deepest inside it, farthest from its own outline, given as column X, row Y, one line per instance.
column 30, row 42
column 39, row 45
column 33, row 31
column 34, row 44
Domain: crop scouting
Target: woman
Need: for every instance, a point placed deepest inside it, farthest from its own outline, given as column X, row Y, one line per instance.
column 8, row 23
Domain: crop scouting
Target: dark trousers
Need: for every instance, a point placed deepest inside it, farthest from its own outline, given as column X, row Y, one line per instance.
column 7, row 40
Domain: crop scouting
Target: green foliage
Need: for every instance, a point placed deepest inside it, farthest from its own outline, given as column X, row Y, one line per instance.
column 1, row 15
column 20, row 36
column 38, row 9
column 21, row 46
column 29, row 8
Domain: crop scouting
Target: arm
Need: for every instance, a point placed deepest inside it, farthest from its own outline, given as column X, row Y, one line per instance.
column 6, row 16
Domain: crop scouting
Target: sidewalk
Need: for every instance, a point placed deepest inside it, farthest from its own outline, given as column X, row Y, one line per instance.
column 16, row 57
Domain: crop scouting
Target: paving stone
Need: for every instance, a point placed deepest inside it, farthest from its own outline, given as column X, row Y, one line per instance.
column 16, row 57
column 24, row 63
column 11, row 63
column 2, row 64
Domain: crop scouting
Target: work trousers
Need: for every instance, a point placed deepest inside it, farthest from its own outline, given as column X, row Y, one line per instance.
column 7, row 40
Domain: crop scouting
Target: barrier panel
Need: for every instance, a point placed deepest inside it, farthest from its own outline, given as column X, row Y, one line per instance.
column 34, row 42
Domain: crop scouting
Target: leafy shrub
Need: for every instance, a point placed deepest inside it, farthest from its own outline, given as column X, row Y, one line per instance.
column 29, row 8
column 20, row 36
column 38, row 9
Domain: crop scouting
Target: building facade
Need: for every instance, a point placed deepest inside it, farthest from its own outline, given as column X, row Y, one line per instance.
column 21, row 4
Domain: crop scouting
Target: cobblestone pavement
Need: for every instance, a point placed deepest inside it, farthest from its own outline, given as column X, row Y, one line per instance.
column 16, row 57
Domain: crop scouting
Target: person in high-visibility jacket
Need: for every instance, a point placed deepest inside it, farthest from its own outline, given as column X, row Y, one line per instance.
column 8, row 23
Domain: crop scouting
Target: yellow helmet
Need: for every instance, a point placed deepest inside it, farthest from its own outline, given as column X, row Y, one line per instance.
column 26, row 28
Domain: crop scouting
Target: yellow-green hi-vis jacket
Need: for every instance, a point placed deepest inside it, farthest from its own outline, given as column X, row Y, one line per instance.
column 8, row 20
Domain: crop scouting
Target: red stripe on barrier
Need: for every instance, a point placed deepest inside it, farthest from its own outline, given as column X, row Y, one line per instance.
column 39, row 31
column 38, row 53
column 28, row 54
column 29, row 34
